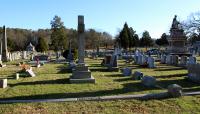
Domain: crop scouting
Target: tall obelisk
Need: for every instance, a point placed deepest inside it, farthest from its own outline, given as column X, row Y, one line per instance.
column 81, row 73
column 4, row 46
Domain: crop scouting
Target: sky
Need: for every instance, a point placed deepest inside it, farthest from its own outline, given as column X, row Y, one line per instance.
column 154, row 16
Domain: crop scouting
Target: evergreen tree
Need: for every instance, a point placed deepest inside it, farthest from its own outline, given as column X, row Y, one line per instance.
column 42, row 45
column 146, row 40
column 163, row 40
column 58, row 36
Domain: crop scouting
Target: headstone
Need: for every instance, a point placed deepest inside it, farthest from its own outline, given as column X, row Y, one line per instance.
column 81, row 73
column 175, row 90
column 30, row 72
column 192, row 60
column 163, row 59
column 136, row 59
column 169, row 60
column 113, row 64
column 183, row 61
column 149, row 81
column 17, row 76
column 4, row 46
column 174, row 60
column 151, row 62
column 24, row 55
column 194, row 72
column 137, row 75
column 3, row 83
column 127, row 71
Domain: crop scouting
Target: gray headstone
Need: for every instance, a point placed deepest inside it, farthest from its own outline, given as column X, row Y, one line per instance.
column 183, row 60
column 127, row 71
column 137, row 75
column 174, row 60
column 149, row 81
column 175, row 90
column 163, row 59
column 151, row 62
column 194, row 72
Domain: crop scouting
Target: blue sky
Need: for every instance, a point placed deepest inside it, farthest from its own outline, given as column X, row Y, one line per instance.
column 154, row 16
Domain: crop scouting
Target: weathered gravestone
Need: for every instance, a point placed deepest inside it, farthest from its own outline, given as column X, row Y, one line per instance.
column 169, row 60
column 17, row 76
column 137, row 75
column 3, row 83
column 106, row 60
column 149, row 81
column 194, row 72
column 163, row 59
column 175, row 90
column 81, row 73
column 127, row 71
column 30, row 72
column 113, row 64
column 151, row 62
column 183, row 61
column 174, row 60
column 192, row 60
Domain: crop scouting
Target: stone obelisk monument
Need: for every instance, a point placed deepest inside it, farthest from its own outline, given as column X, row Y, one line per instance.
column 4, row 46
column 81, row 73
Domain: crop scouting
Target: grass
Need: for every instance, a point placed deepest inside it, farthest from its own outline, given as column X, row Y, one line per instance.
column 52, row 82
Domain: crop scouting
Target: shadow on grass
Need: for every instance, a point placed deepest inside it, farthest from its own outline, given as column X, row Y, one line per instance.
column 184, row 83
column 124, row 79
column 58, row 81
column 99, row 69
column 171, row 76
column 128, row 87
column 170, row 69
column 114, row 75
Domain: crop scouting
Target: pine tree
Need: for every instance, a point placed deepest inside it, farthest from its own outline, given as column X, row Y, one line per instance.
column 58, row 35
column 42, row 45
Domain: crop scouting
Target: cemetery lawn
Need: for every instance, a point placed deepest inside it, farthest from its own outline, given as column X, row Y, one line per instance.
column 52, row 82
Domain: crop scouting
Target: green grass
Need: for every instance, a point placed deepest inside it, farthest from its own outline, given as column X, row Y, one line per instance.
column 52, row 82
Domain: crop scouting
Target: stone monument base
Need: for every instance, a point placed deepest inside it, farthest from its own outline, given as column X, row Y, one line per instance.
column 81, row 74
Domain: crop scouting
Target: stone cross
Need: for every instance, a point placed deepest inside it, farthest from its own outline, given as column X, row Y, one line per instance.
column 4, row 46
column 81, row 40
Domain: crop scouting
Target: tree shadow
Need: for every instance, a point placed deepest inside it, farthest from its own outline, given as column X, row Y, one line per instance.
column 124, row 79
column 114, row 75
column 57, row 81
column 171, row 75
column 128, row 87
column 184, row 83
column 99, row 69
column 170, row 69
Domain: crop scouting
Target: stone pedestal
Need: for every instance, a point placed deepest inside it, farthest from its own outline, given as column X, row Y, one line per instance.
column 81, row 74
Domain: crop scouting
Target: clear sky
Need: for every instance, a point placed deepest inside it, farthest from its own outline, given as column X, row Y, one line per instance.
column 154, row 16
